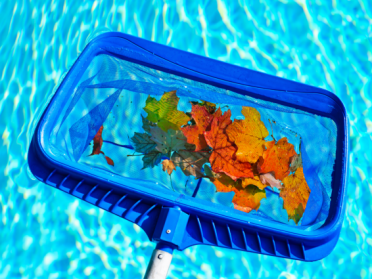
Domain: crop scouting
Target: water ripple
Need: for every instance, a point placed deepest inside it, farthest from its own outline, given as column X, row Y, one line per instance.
column 50, row 234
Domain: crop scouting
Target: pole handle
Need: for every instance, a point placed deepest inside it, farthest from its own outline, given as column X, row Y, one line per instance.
column 159, row 263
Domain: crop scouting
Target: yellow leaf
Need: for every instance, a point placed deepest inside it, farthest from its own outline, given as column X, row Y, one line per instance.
column 253, row 181
column 295, row 193
column 248, row 135
column 164, row 112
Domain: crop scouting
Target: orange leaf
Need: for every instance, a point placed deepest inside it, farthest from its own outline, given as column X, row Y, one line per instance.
column 222, row 158
column 277, row 158
column 194, row 133
column 295, row 194
column 248, row 135
column 168, row 166
column 224, row 183
column 248, row 198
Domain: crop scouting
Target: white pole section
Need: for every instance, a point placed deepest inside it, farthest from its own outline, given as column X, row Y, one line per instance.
column 159, row 265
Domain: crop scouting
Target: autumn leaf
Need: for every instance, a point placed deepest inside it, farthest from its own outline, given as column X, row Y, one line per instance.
column 269, row 179
column 295, row 194
column 222, row 158
column 146, row 124
column 248, row 198
column 195, row 133
column 167, row 142
column 248, row 135
column 97, row 146
column 97, row 142
column 211, row 107
column 168, row 166
column 151, row 159
column 190, row 162
column 277, row 158
column 254, row 181
column 223, row 182
column 142, row 142
column 296, row 162
column 164, row 112
column 109, row 161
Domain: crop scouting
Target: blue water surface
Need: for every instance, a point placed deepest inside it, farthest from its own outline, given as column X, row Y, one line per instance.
column 45, row 233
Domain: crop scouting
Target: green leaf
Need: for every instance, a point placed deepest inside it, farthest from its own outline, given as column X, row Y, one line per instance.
column 146, row 124
column 142, row 143
column 151, row 159
column 164, row 112
column 190, row 163
column 167, row 142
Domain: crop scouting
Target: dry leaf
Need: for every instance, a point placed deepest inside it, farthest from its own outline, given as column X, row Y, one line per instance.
column 222, row 158
column 269, row 179
column 295, row 194
column 223, row 182
column 248, row 135
column 190, row 162
column 248, row 198
column 254, row 181
column 97, row 142
column 168, row 166
column 97, row 146
column 276, row 158
column 195, row 133
column 296, row 162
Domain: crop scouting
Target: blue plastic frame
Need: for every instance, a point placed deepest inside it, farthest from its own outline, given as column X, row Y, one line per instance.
column 205, row 224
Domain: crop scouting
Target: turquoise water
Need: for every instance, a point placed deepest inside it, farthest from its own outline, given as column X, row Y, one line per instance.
column 45, row 233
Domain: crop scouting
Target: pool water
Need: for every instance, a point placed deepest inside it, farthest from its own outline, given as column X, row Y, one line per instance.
column 46, row 233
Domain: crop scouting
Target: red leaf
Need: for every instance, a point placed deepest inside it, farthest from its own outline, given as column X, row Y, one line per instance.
column 195, row 133
column 97, row 146
column 222, row 158
column 109, row 161
column 97, row 142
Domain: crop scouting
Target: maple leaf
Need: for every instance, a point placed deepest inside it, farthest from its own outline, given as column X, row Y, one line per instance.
column 164, row 112
column 248, row 135
column 146, row 124
column 168, row 166
column 269, row 179
column 223, row 182
column 296, row 162
column 277, row 158
column 97, row 146
column 211, row 107
column 254, row 181
column 295, row 194
column 151, row 159
column 142, row 142
column 248, row 198
column 190, row 162
column 166, row 142
column 222, row 159
column 195, row 133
